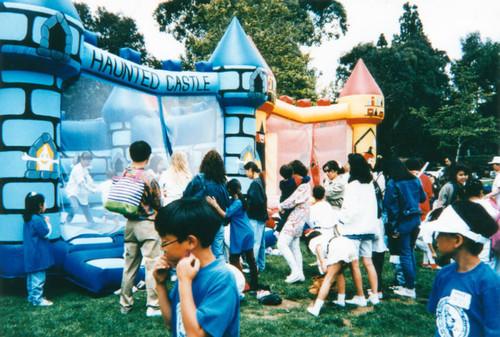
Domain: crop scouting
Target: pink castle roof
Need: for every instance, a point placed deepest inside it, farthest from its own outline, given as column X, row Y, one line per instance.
column 360, row 82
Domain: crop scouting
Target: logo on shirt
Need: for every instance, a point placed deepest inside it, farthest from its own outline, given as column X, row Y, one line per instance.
column 181, row 331
column 451, row 320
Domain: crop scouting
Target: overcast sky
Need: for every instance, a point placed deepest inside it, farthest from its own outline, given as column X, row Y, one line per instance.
column 444, row 21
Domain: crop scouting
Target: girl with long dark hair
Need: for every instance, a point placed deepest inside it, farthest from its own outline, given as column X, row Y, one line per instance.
column 211, row 182
column 241, row 232
column 403, row 195
column 358, row 222
column 454, row 189
column 257, row 211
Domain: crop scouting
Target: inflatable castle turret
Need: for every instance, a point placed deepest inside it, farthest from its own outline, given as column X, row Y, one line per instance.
column 40, row 50
column 365, row 103
column 243, row 88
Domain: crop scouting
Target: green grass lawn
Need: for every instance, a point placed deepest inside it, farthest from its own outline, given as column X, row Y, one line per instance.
column 77, row 313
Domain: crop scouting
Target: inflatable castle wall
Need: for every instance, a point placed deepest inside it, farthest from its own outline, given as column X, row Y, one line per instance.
column 61, row 95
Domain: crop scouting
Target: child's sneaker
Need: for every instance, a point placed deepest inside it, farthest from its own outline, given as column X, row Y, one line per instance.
column 406, row 292
column 313, row 311
column 360, row 301
column 374, row 299
column 153, row 312
column 43, row 303
column 380, row 294
column 340, row 303
column 295, row 278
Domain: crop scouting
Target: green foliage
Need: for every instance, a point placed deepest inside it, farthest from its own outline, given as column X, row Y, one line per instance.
column 478, row 71
column 278, row 29
column 115, row 31
column 469, row 118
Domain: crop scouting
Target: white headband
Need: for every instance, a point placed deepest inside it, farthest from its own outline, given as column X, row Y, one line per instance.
column 450, row 222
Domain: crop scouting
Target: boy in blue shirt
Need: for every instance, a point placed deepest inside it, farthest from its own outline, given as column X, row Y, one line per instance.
column 204, row 300
column 466, row 294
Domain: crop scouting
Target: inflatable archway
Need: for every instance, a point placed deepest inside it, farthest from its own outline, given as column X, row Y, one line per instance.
column 61, row 95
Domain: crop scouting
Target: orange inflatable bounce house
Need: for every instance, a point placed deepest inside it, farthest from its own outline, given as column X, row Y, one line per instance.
column 317, row 134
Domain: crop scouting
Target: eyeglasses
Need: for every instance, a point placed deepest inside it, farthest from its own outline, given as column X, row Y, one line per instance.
column 163, row 245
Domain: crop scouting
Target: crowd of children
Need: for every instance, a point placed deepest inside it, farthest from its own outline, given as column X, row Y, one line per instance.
column 355, row 215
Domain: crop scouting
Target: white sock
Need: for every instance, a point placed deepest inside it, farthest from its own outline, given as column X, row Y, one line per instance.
column 318, row 305
column 341, row 298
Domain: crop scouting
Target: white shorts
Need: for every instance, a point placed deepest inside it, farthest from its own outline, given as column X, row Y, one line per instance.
column 341, row 249
column 364, row 247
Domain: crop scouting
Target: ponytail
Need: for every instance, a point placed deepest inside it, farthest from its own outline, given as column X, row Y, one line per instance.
column 32, row 205
column 244, row 202
column 234, row 187
column 252, row 166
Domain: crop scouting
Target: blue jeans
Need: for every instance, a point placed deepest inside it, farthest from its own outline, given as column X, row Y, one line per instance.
column 34, row 283
column 406, row 246
column 218, row 244
column 259, row 243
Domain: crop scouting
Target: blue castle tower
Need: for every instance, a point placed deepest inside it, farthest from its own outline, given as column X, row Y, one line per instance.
column 40, row 49
column 243, row 88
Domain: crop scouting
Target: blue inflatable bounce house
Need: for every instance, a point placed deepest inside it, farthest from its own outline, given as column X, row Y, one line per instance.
column 61, row 96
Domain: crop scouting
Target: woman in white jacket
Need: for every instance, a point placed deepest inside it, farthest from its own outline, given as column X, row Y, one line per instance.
column 358, row 222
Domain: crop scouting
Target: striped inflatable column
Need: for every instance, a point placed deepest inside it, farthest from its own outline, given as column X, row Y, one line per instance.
column 39, row 49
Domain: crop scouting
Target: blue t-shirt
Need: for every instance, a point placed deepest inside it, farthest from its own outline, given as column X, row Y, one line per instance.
column 466, row 304
column 241, row 231
column 217, row 302
column 37, row 253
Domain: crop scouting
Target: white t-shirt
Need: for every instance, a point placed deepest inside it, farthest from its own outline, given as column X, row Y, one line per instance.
column 80, row 184
column 171, row 188
column 322, row 215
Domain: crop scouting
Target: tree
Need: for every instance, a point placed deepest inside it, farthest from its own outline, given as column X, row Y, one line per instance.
column 115, row 31
column 467, row 120
column 382, row 42
column 278, row 29
column 479, row 71
column 459, row 125
column 411, row 74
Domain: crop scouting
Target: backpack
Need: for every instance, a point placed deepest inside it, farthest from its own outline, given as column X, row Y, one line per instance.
column 125, row 195
column 202, row 193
